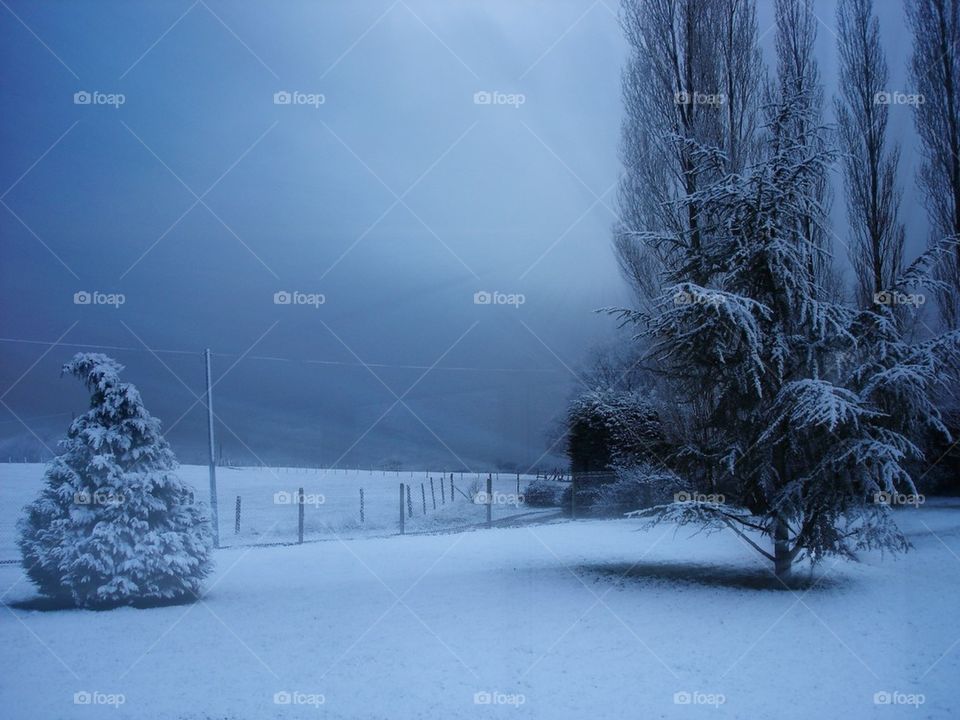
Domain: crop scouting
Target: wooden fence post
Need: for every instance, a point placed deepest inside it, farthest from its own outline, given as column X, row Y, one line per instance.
column 451, row 487
column 409, row 503
column 361, row 506
column 300, row 515
column 423, row 497
column 443, row 492
column 433, row 494
column 401, row 508
column 236, row 524
column 489, row 501
column 573, row 497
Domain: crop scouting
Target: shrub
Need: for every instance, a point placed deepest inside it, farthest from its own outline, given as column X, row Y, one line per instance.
column 113, row 524
column 542, row 493
column 635, row 489
column 612, row 428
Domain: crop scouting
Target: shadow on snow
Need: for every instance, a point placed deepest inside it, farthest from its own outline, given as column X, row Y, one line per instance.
column 741, row 578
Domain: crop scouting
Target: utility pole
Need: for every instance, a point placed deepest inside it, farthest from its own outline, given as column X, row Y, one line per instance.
column 214, row 514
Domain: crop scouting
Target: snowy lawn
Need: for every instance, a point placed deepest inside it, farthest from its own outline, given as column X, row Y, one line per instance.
column 587, row 619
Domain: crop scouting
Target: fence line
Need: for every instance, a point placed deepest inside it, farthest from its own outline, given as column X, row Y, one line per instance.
column 332, row 503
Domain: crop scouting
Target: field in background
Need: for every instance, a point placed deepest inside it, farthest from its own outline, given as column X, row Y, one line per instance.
column 268, row 513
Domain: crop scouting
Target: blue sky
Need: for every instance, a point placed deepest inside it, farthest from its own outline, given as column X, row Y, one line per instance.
column 397, row 198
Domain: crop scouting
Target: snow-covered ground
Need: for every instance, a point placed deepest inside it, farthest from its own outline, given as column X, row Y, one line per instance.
column 332, row 501
column 586, row 619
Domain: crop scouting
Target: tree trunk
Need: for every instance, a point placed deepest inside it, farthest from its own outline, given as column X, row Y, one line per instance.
column 782, row 559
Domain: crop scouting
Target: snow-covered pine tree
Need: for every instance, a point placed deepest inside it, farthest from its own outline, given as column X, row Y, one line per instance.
column 114, row 524
column 811, row 406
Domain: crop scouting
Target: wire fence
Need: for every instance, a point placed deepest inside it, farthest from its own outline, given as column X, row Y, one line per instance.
column 284, row 505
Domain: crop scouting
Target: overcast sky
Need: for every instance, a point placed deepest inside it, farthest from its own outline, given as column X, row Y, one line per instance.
column 398, row 197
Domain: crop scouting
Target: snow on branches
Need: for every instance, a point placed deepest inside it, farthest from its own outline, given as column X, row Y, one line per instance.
column 803, row 409
column 114, row 524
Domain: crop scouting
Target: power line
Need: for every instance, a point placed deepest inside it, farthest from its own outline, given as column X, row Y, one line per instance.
column 37, row 417
column 96, row 347
column 271, row 358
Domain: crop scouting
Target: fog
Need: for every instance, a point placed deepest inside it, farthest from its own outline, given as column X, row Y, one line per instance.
column 429, row 151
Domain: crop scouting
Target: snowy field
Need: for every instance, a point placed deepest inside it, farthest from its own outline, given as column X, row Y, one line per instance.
column 586, row 619
column 331, row 507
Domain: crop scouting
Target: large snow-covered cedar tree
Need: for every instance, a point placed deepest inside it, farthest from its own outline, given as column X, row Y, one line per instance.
column 114, row 525
column 812, row 408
